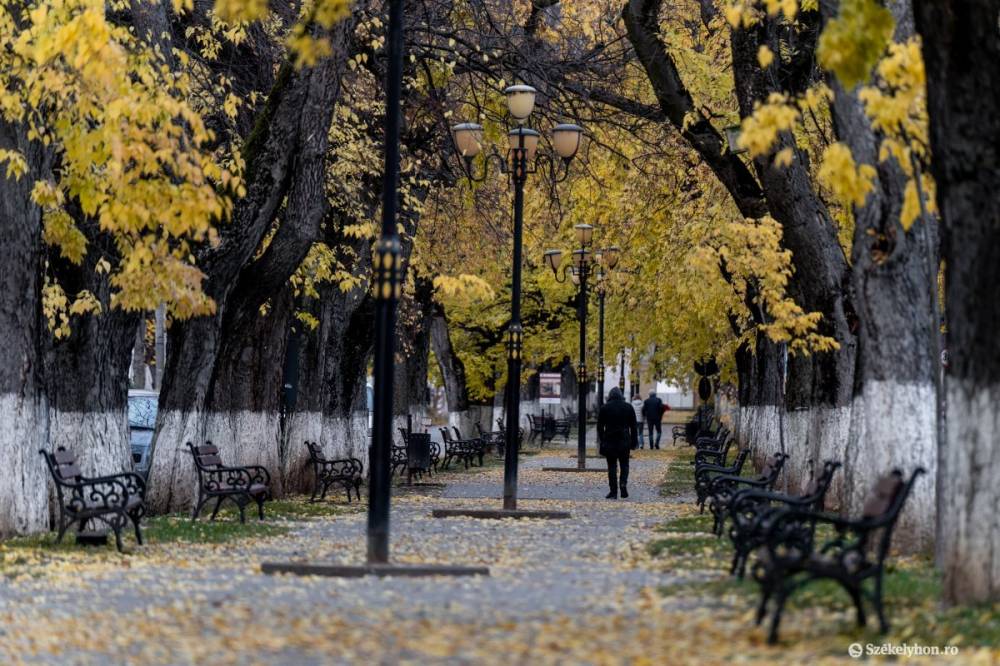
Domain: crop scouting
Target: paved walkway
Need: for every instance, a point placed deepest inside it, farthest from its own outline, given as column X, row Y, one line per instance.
column 577, row 591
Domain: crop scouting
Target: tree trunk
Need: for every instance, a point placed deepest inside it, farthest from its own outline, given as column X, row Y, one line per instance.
column 159, row 345
column 961, row 52
column 23, row 425
column 412, row 353
column 817, row 393
column 139, row 356
column 894, row 275
column 86, row 374
column 452, row 369
column 285, row 157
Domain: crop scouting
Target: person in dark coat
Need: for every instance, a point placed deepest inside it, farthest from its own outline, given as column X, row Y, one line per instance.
column 652, row 413
column 617, row 434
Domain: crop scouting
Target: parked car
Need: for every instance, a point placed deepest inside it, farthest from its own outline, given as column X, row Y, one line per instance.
column 141, row 422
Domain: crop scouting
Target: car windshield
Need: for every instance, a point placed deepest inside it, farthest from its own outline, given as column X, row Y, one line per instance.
column 142, row 411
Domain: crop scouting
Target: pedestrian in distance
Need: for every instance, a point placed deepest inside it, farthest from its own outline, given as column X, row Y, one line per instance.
column 637, row 406
column 617, row 435
column 652, row 413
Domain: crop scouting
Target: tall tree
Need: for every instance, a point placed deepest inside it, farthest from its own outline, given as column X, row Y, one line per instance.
column 961, row 49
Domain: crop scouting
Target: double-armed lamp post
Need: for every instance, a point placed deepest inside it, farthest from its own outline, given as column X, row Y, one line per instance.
column 522, row 158
column 579, row 270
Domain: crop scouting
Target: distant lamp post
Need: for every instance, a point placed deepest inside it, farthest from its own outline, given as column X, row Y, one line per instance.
column 578, row 272
column 522, row 158
column 607, row 259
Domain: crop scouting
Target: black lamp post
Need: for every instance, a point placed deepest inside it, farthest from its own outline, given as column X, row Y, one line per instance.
column 521, row 160
column 387, row 281
column 579, row 271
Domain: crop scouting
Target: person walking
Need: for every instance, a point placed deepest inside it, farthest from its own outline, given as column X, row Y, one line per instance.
column 637, row 406
column 652, row 412
column 617, row 434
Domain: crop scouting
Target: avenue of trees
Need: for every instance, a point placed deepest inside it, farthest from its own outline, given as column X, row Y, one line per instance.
column 219, row 161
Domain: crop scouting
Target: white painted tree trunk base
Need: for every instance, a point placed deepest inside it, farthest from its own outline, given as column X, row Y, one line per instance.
column 893, row 425
column 243, row 438
column 100, row 440
column 23, row 477
column 969, row 548
column 811, row 437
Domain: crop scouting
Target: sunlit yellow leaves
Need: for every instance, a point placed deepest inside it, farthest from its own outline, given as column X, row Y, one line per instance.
column 16, row 164
column 760, row 130
column 469, row 288
column 849, row 182
column 788, row 8
column 130, row 149
column 60, row 231
column 235, row 11
column 765, row 56
column 911, row 201
column 57, row 308
column 783, row 157
column 853, row 42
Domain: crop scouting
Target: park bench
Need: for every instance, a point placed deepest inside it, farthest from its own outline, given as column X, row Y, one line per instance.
column 343, row 472
column 466, row 450
column 678, row 432
column 705, row 472
column 713, row 450
column 536, row 428
column 723, row 487
column 114, row 500
column 856, row 553
column 492, row 440
column 239, row 484
column 752, row 510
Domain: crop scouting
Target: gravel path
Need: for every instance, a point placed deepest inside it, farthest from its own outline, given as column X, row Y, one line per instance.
column 551, row 583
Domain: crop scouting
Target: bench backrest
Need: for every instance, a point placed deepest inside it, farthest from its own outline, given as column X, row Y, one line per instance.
column 62, row 465
column 772, row 467
column 815, row 490
column 740, row 459
column 458, row 433
column 205, row 456
column 884, row 504
column 315, row 452
column 445, row 435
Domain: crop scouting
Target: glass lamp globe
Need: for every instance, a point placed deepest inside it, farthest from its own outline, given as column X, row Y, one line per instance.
column 520, row 101
column 468, row 139
column 566, row 140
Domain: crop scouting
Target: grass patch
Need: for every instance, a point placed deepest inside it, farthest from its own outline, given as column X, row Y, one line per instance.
column 679, row 479
column 179, row 528
column 912, row 591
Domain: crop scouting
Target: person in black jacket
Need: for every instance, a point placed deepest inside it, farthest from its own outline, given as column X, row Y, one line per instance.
column 617, row 434
column 652, row 412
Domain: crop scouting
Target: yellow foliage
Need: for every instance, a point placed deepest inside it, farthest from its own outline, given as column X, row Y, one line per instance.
column 765, row 56
column 132, row 151
column 468, row 288
column 853, row 42
column 760, row 130
column 849, row 182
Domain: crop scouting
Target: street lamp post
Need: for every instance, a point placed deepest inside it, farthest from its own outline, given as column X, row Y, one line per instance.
column 579, row 272
column 600, row 337
column 521, row 159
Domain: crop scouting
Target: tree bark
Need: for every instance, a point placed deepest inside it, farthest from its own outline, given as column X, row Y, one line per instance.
column 285, row 156
column 894, row 273
column 818, row 387
column 413, row 335
column 139, row 356
column 23, row 423
column 961, row 51
column 452, row 369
